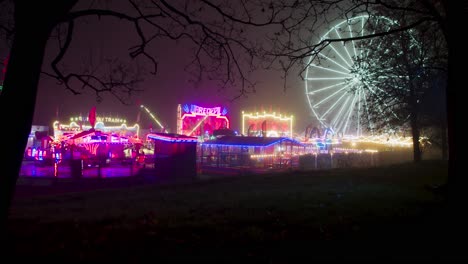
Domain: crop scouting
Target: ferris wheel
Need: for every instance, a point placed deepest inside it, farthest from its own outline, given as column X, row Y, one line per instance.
column 335, row 80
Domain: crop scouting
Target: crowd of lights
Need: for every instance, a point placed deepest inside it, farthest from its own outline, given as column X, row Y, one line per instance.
column 194, row 111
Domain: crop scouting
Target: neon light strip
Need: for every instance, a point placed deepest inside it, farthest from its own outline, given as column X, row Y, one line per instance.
column 263, row 156
column 274, row 116
column 99, row 119
column 135, row 128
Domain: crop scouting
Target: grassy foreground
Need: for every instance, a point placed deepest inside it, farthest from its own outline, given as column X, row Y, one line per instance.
column 345, row 214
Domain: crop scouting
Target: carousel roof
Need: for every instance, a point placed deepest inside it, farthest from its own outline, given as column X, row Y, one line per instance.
column 84, row 133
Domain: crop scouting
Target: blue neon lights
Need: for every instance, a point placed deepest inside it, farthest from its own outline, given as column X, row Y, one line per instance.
column 186, row 108
column 173, row 138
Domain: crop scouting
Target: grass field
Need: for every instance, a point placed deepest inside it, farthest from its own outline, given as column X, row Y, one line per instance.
column 346, row 214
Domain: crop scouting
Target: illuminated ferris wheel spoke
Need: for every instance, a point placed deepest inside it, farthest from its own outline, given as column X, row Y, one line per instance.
column 336, row 83
column 387, row 76
column 343, row 118
column 328, row 69
column 380, row 89
column 353, row 105
column 361, row 50
column 380, row 43
column 362, row 27
column 338, row 116
column 339, row 123
column 352, row 42
column 371, row 74
column 372, row 39
column 333, row 106
column 327, row 78
column 344, row 46
column 335, row 62
column 359, row 111
column 330, row 96
column 339, row 55
column 328, row 87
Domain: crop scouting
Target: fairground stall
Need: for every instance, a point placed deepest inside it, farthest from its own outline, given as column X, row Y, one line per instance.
column 97, row 141
column 113, row 125
column 201, row 122
column 250, row 153
column 174, row 155
column 39, row 142
column 267, row 125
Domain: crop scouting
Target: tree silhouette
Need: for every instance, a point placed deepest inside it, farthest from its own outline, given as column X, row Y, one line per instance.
column 292, row 47
column 221, row 35
column 401, row 68
column 224, row 37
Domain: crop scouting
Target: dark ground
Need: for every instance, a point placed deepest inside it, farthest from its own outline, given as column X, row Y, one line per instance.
column 376, row 214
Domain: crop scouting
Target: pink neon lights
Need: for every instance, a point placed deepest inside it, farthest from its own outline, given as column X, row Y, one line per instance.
column 91, row 148
column 202, row 121
column 197, row 110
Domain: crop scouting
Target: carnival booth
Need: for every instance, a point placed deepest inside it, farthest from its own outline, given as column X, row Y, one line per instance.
column 267, row 125
column 174, row 155
column 250, row 153
column 201, row 122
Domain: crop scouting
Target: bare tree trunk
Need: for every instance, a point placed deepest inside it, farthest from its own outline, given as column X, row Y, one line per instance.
column 415, row 133
column 417, row 155
column 443, row 136
column 33, row 24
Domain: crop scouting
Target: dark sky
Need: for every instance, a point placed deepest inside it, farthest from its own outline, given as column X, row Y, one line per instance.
column 171, row 86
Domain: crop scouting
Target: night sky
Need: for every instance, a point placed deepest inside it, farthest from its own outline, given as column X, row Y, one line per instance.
column 170, row 86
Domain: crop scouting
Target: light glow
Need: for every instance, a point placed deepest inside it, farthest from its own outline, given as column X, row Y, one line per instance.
column 66, row 131
column 194, row 116
column 282, row 124
column 334, row 80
